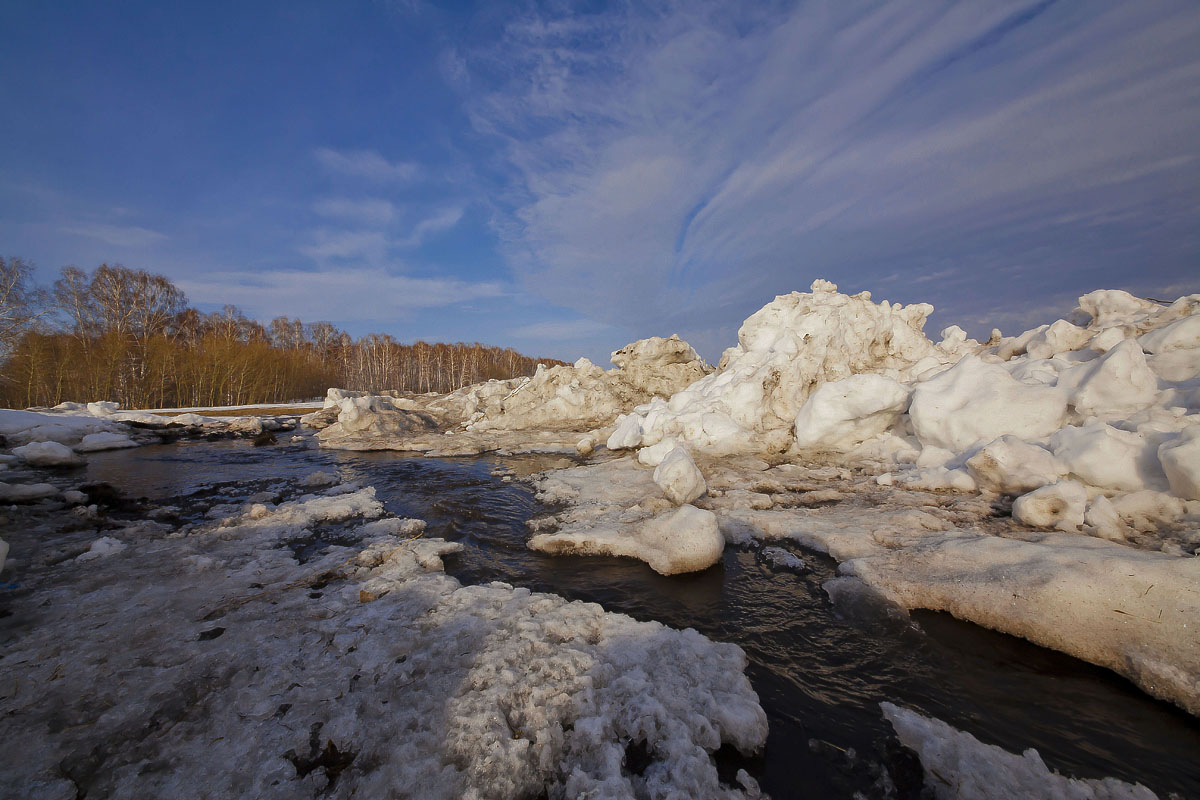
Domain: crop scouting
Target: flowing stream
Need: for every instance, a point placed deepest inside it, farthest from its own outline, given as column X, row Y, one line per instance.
column 820, row 671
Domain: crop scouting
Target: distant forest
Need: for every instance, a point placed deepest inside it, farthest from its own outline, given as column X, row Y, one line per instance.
column 129, row 336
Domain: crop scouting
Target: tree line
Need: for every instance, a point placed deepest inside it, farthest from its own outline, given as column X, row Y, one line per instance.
column 130, row 336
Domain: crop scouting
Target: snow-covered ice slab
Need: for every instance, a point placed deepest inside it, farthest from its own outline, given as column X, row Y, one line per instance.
column 684, row 540
column 1131, row 611
column 619, row 508
column 47, row 454
column 104, row 441
column 23, row 427
column 958, row 766
column 212, row 664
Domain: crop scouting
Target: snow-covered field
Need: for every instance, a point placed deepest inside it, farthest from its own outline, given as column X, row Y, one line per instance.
column 1045, row 485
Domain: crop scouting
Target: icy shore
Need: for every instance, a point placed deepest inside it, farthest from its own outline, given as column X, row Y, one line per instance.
column 206, row 660
column 1070, row 455
column 1045, row 485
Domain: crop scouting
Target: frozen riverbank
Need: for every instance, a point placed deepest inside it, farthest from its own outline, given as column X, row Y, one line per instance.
column 1084, row 434
column 1040, row 485
column 202, row 654
column 820, row 671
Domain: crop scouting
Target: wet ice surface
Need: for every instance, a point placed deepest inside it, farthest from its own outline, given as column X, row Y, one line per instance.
column 819, row 677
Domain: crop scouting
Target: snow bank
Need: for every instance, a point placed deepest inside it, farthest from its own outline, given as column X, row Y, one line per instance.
column 1109, row 457
column 23, row 427
column 1078, row 399
column 1180, row 461
column 371, row 422
column 1009, row 465
column 1113, row 385
column 975, row 402
column 480, row 418
column 960, row 767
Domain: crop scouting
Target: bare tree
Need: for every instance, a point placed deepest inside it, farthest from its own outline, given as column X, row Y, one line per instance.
column 20, row 303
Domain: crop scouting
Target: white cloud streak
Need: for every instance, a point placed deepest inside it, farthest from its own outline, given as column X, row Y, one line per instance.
column 370, row 211
column 441, row 221
column 556, row 330
column 365, row 164
column 370, row 246
column 125, row 236
column 359, row 294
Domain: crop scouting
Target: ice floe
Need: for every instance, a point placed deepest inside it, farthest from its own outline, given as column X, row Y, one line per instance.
column 47, row 454
column 958, row 766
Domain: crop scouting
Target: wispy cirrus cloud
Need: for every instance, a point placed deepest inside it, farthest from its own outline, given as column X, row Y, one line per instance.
column 555, row 330
column 690, row 164
column 368, row 211
column 365, row 164
column 359, row 294
column 441, row 221
column 125, row 236
column 370, row 246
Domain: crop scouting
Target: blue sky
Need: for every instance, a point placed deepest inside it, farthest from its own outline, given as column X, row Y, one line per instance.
column 565, row 178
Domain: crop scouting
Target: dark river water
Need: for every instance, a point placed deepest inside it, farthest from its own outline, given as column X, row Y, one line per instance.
column 820, row 673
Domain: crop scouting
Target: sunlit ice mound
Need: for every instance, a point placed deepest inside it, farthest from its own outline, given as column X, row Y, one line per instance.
column 785, row 350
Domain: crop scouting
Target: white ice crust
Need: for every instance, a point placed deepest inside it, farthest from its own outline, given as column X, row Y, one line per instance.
column 104, row 441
